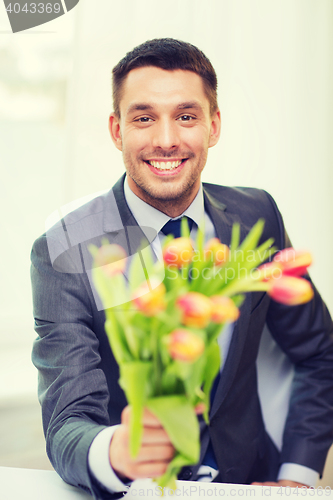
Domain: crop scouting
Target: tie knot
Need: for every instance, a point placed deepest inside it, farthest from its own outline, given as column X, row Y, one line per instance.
column 173, row 226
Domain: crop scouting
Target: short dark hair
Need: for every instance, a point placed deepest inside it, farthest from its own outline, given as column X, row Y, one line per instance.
column 169, row 54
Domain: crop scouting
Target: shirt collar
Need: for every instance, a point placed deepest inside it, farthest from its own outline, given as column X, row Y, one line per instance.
column 148, row 216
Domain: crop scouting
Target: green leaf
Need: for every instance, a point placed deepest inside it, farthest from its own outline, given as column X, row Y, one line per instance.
column 116, row 339
column 136, row 274
column 198, row 261
column 194, row 381
column 172, row 280
column 93, row 249
column 253, row 236
column 134, row 377
column 238, row 300
column 111, row 289
column 169, row 380
column 213, row 331
column 180, row 422
column 182, row 369
column 184, row 228
column 102, row 285
column 129, row 332
column 235, row 236
column 168, row 480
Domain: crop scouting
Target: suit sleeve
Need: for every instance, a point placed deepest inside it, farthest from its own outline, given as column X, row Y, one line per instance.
column 305, row 333
column 72, row 388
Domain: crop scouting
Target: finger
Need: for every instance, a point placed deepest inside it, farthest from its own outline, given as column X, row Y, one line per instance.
column 148, row 419
column 153, row 435
column 146, row 470
column 266, row 483
column 200, row 408
column 125, row 415
column 150, row 454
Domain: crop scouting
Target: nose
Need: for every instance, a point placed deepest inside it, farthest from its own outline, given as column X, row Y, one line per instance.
column 166, row 134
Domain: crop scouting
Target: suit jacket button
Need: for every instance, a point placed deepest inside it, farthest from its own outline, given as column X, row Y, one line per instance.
column 185, row 474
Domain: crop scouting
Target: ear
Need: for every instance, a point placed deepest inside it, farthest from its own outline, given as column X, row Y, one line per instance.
column 114, row 129
column 215, row 129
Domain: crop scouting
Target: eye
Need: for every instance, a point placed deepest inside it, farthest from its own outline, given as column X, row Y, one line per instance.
column 143, row 119
column 186, row 118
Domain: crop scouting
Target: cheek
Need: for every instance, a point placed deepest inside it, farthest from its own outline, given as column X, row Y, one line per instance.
column 135, row 141
column 196, row 137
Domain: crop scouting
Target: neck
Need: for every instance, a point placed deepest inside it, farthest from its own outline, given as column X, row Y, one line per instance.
column 171, row 207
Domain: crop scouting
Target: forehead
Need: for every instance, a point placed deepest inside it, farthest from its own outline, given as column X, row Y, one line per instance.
column 159, row 87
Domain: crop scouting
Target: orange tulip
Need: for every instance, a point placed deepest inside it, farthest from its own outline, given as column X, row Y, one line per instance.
column 224, row 309
column 150, row 301
column 196, row 309
column 111, row 258
column 216, row 251
column 185, row 345
column 294, row 263
column 178, row 252
column 290, row 290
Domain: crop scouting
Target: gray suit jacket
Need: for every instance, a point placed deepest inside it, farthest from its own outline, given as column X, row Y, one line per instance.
column 78, row 376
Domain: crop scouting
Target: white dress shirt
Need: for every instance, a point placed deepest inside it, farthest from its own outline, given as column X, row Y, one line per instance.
column 148, row 216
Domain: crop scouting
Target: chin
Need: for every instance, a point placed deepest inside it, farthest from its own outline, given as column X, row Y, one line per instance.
column 167, row 193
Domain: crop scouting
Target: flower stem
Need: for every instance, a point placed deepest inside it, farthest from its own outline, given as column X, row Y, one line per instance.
column 155, row 349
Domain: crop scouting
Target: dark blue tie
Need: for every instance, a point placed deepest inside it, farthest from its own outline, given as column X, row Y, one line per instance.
column 173, row 226
column 209, row 458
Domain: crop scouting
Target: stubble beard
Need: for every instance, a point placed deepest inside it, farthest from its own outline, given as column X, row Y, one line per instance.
column 165, row 195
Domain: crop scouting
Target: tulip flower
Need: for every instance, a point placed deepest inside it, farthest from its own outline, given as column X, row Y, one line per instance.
column 270, row 270
column 111, row 258
column 223, row 309
column 290, row 290
column 150, row 300
column 216, row 251
column 294, row 263
column 196, row 309
column 178, row 252
column 185, row 345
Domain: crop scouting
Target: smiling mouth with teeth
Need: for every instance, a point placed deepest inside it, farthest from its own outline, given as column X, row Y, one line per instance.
column 165, row 165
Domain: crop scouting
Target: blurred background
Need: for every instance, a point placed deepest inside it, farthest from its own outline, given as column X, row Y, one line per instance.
column 274, row 61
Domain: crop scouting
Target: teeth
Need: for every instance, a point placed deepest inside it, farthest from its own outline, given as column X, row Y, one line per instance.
column 165, row 165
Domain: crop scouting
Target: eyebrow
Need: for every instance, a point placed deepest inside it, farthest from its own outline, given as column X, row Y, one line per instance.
column 189, row 105
column 148, row 107
column 139, row 107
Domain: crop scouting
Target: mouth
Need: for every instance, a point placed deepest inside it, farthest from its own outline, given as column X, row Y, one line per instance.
column 166, row 167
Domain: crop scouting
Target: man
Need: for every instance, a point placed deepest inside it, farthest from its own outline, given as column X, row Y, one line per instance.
column 165, row 119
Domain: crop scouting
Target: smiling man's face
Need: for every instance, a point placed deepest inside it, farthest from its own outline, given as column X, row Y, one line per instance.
column 164, row 132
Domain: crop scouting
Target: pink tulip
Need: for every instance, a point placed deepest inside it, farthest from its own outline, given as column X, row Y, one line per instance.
column 290, row 290
column 196, row 309
column 178, row 252
column 150, row 301
column 294, row 263
column 223, row 309
column 111, row 258
column 216, row 251
column 270, row 270
column 185, row 345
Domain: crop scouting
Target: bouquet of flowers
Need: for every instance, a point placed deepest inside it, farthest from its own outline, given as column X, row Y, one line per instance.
column 164, row 336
